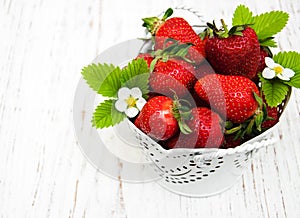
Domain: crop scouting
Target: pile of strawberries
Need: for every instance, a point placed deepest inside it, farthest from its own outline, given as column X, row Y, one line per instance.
column 204, row 87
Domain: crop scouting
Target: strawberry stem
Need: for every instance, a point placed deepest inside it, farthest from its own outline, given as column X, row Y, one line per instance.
column 175, row 50
column 224, row 32
column 181, row 114
column 225, row 28
column 184, row 128
column 153, row 23
column 258, row 99
column 167, row 14
column 233, row 130
column 252, row 126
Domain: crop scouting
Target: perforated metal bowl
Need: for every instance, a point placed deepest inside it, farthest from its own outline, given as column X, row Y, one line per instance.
column 203, row 171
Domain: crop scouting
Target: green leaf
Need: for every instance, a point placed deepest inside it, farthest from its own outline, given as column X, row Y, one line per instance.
column 228, row 124
column 269, row 42
column 94, row 74
column 258, row 120
column 258, row 99
column 268, row 24
column 242, row 15
column 168, row 13
column 274, row 91
column 249, row 128
column 136, row 74
column 106, row 115
column 184, row 128
column 290, row 60
column 111, row 84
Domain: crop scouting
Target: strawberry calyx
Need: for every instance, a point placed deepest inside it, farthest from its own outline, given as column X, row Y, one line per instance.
column 181, row 113
column 251, row 127
column 212, row 30
column 153, row 23
column 175, row 50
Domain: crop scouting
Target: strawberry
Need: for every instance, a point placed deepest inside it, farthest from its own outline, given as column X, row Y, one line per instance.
column 231, row 142
column 231, row 96
column 233, row 52
column 272, row 117
column 195, row 101
column 178, row 142
column 147, row 57
column 207, row 131
column 174, row 75
column 160, row 118
column 152, row 95
column 176, row 28
column 263, row 53
column 171, row 143
column 203, row 69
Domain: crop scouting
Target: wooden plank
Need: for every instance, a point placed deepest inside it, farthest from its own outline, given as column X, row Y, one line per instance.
column 44, row 45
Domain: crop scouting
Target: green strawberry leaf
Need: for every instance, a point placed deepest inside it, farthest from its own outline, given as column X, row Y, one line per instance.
column 274, row 91
column 258, row 120
column 242, row 15
column 268, row 42
column 265, row 25
column 258, row 99
column 106, row 115
column 94, row 74
column 268, row 24
column 136, row 74
column 249, row 128
column 290, row 60
column 111, row 84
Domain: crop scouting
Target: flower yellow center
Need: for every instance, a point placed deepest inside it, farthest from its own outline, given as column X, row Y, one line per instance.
column 131, row 101
column 278, row 70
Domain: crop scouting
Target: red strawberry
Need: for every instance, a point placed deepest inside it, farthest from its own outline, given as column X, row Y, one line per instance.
column 156, row 118
column 161, row 118
column 231, row 142
column 207, row 131
column 147, row 57
column 195, row 101
column 174, row 75
column 231, row 96
column 172, row 142
column 264, row 52
column 176, row 28
column 262, row 55
column 152, row 95
column 203, row 69
column 237, row 54
column 273, row 117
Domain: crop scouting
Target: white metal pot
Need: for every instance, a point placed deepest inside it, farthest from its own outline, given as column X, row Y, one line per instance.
column 205, row 171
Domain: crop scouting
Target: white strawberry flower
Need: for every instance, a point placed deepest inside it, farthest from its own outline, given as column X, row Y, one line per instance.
column 276, row 70
column 130, row 101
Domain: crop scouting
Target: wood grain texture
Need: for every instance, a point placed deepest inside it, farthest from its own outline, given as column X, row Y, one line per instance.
column 43, row 46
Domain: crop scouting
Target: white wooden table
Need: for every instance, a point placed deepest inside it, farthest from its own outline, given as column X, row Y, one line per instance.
column 43, row 46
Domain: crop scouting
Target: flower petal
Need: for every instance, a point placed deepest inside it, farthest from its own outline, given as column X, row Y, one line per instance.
column 131, row 112
column 136, row 92
column 269, row 62
column 268, row 73
column 288, row 73
column 121, row 105
column 124, row 93
column 282, row 77
column 140, row 103
column 277, row 65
